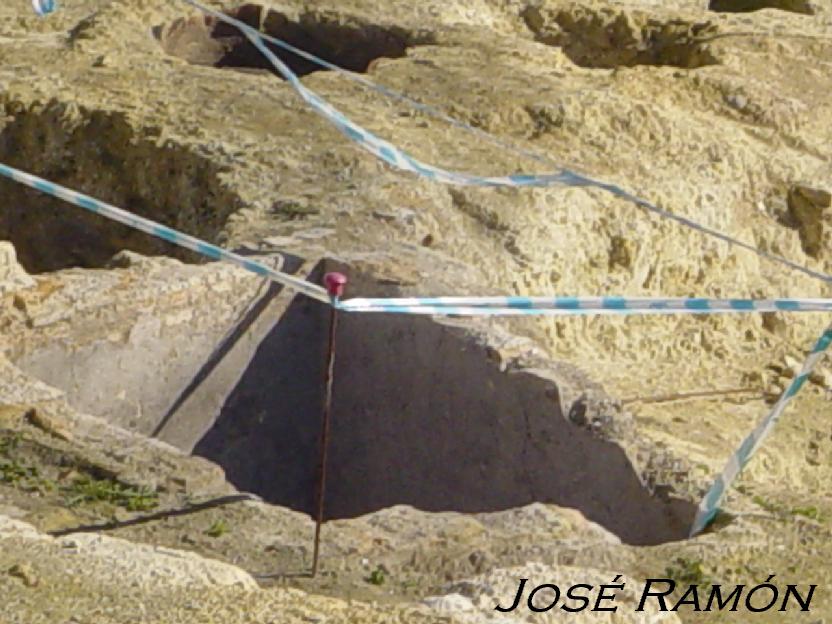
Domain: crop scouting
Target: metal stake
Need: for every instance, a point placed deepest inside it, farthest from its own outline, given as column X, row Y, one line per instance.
column 335, row 283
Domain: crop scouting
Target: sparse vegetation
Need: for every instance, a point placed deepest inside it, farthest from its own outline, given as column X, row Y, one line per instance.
column 218, row 528
column 768, row 506
column 9, row 443
column 19, row 474
column 687, row 572
column 377, row 576
column 15, row 473
column 811, row 512
column 22, row 474
column 89, row 490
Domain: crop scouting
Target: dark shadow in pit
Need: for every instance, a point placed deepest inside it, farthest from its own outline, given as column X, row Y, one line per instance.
column 350, row 44
column 103, row 155
column 421, row 417
column 803, row 7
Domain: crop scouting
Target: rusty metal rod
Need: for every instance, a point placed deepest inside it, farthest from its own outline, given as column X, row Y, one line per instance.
column 335, row 283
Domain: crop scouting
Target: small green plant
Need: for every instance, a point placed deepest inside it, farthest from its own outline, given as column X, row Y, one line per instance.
column 24, row 477
column 9, row 443
column 687, row 572
column 218, row 528
column 89, row 490
column 811, row 512
column 768, row 506
column 12, row 471
column 376, row 577
column 15, row 473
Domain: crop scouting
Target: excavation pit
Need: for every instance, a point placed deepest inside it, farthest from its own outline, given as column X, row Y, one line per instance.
column 804, row 7
column 423, row 415
column 350, row 44
column 102, row 155
column 607, row 39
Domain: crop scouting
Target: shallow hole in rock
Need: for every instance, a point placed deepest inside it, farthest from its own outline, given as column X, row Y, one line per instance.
column 100, row 154
column 804, row 7
column 350, row 44
column 422, row 416
column 606, row 39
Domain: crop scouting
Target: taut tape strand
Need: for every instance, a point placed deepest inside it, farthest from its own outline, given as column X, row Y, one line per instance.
column 710, row 503
column 448, row 306
column 553, row 306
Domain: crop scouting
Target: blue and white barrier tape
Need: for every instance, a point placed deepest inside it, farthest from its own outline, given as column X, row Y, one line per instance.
column 163, row 232
column 44, row 7
column 710, row 504
column 552, row 306
column 448, row 306
column 399, row 159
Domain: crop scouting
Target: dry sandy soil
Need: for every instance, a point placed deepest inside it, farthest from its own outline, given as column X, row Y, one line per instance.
column 720, row 114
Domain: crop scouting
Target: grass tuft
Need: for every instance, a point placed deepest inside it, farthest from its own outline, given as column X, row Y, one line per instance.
column 218, row 528
column 89, row 490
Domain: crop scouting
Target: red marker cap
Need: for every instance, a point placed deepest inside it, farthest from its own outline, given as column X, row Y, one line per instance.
column 335, row 283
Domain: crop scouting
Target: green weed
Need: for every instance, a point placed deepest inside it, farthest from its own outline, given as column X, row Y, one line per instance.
column 88, row 490
column 769, row 507
column 811, row 512
column 687, row 572
column 15, row 473
column 9, row 443
column 376, row 577
column 218, row 528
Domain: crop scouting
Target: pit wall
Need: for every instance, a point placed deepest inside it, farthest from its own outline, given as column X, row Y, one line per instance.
column 133, row 344
column 105, row 156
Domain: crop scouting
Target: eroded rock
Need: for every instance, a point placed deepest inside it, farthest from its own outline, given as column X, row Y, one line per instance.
column 12, row 276
column 809, row 208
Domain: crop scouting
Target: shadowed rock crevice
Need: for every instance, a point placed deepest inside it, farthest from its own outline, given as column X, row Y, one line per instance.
column 804, row 7
column 102, row 155
column 348, row 43
column 605, row 38
column 809, row 213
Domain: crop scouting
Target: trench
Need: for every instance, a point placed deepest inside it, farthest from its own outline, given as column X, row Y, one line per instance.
column 422, row 416
column 350, row 43
column 607, row 39
column 804, row 7
column 102, row 155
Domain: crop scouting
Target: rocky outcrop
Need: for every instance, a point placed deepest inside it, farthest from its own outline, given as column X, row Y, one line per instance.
column 12, row 275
